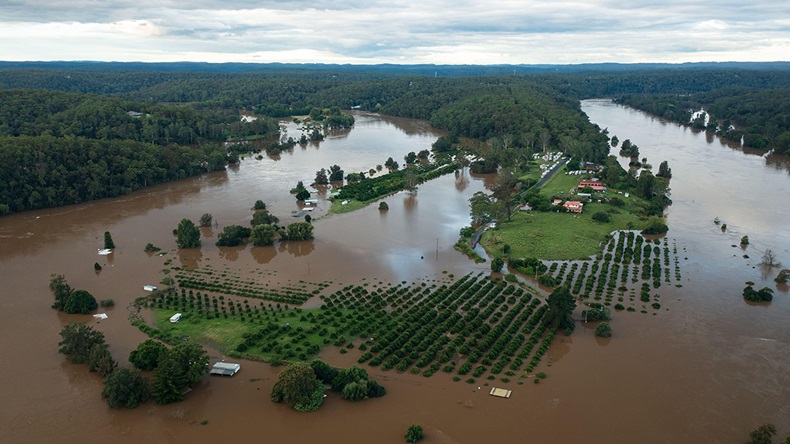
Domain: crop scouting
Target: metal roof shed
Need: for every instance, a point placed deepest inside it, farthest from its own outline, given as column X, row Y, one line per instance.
column 225, row 369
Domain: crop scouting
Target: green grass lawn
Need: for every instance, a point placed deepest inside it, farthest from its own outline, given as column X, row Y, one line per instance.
column 559, row 236
column 226, row 334
column 352, row 205
column 560, row 184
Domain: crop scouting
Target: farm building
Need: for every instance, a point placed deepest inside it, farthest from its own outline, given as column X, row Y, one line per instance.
column 225, row 369
column 596, row 185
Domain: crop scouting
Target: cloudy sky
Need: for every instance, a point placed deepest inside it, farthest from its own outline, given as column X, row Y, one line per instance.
column 405, row 32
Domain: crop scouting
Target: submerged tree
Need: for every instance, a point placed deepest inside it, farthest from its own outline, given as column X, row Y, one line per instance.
column 108, row 243
column 205, row 220
column 263, row 235
column 187, row 234
column 126, row 388
column 146, row 355
column 560, row 307
column 80, row 301
column 769, row 259
column 414, row 433
column 60, row 289
column 78, row 340
column 298, row 386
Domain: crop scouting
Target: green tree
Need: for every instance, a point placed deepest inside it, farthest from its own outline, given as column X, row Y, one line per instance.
column 560, row 307
column 193, row 360
column 603, row 330
column 302, row 195
column 335, row 173
column 414, row 433
column 410, row 158
column 233, row 235
column 263, row 235
column 323, row 371
column 298, row 386
column 299, row 231
column 205, row 220
column 60, row 289
column 496, row 264
column 762, row 435
column 169, row 379
column 783, row 276
column 504, row 187
column 146, row 355
column 259, row 205
column 383, row 206
column 347, row 376
column 321, row 178
column 100, row 360
column 78, row 340
column 482, row 207
column 126, row 388
column 80, row 301
column 264, row 217
column 108, row 243
column 187, row 234
column 601, row 217
column 745, row 240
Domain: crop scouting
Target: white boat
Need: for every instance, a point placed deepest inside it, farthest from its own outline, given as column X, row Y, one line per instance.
column 104, row 251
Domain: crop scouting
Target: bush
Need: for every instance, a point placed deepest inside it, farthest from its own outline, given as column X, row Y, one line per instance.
column 150, row 248
column 752, row 295
column 96, row 266
column 80, row 301
column 126, row 388
column 414, row 433
column 383, row 206
column 603, row 330
column 601, row 217
column 496, row 264
column 107, row 303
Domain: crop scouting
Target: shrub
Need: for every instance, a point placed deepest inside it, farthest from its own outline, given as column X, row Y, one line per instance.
column 603, row 330
column 149, row 247
column 496, row 264
column 414, row 433
column 601, row 217
column 107, row 303
column 383, row 206
column 96, row 266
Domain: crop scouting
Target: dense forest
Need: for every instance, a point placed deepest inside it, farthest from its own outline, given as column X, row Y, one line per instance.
column 165, row 121
column 757, row 118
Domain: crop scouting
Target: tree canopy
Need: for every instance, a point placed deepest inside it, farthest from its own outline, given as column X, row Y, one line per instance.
column 298, row 386
column 78, row 340
column 187, row 234
column 126, row 388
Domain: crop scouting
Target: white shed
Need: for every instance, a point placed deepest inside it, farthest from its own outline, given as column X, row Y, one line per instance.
column 175, row 318
column 225, row 368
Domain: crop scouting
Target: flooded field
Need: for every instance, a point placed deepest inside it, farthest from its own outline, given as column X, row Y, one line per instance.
column 708, row 368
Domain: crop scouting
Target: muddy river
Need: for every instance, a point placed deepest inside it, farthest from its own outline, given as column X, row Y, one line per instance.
column 707, row 368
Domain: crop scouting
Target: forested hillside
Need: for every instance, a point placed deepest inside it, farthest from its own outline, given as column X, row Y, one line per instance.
column 760, row 118
column 62, row 148
column 149, row 126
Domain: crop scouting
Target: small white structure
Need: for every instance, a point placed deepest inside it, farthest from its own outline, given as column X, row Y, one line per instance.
column 175, row 318
column 104, row 251
column 101, row 316
column 149, row 287
column 311, row 201
column 225, row 369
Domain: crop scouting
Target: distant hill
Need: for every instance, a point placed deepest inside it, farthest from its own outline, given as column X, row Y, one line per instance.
column 423, row 70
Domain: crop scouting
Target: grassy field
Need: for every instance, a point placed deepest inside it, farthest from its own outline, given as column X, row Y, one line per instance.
column 352, row 205
column 562, row 236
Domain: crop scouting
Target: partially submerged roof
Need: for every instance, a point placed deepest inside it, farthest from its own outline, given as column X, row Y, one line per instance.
column 225, row 368
column 501, row 393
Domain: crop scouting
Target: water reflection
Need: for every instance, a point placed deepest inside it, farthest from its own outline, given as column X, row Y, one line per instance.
column 298, row 248
column 190, row 258
column 263, row 255
column 231, row 253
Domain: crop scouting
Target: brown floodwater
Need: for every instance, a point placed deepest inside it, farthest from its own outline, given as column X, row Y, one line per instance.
column 707, row 368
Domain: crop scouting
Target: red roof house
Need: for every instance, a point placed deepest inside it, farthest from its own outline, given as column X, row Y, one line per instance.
column 596, row 185
column 573, row 206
